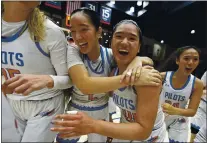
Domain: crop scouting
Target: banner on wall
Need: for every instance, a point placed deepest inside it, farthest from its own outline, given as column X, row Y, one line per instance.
column 70, row 7
column 54, row 4
column 105, row 15
column 92, row 6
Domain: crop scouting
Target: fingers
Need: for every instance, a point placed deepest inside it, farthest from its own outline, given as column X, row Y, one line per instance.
column 123, row 76
column 9, row 85
column 11, row 80
column 69, row 116
column 128, row 76
column 66, row 123
column 62, row 129
column 148, row 67
column 28, row 91
column 21, row 88
column 134, row 71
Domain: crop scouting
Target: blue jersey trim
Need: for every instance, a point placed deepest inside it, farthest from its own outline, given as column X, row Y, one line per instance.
column 115, row 74
column 40, row 49
column 60, row 140
column 186, row 83
column 192, row 86
column 86, row 108
column 16, row 35
column 107, row 56
column 102, row 60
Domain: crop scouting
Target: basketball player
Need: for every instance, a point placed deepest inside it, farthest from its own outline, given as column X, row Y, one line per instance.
column 31, row 44
column 179, row 87
column 89, row 92
column 138, row 104
column 200, row 117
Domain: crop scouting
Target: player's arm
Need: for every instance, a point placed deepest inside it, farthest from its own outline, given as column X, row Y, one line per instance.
column 91, row 85
column 147, row 107
column 193, row 104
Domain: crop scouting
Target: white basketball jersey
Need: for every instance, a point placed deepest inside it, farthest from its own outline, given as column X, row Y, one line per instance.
column 176, row 97
column 24, row 56
column 126, row 100
column 100, row 68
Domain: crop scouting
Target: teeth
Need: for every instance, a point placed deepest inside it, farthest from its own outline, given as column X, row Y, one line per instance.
column 81, row 44
column 121, row 50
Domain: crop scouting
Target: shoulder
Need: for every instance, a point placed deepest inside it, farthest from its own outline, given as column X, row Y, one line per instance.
column 198, row 83
column 53, row 31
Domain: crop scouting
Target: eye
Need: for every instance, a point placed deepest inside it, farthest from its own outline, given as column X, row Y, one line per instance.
column 195, row 59
column 186, row 58
column 132, row 39
column 118, row 36
column 84, row 29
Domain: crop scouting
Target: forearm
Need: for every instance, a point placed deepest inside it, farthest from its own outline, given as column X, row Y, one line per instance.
column 125, row 131
column 93, row 85
column 60, row 82
column 185, row 112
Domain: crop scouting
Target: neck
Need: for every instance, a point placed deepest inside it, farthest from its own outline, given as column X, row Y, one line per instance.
column 179, row 75
column 121, row 67
column 94, row 54
column 14, row 13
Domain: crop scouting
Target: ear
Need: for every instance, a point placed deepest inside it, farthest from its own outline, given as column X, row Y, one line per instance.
column 99, row 32
column 177, row 61
column 139, row 46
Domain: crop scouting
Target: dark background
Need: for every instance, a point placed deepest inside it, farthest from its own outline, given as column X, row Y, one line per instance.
column 169, row 21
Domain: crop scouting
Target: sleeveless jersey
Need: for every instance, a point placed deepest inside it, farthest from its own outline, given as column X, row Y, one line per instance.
column 126, row 100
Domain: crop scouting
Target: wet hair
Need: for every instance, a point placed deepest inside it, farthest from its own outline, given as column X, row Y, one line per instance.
column 169, row 64
column 127, row 21
column 92, row 15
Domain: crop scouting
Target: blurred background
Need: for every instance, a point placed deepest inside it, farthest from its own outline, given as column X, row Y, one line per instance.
column 165, row 25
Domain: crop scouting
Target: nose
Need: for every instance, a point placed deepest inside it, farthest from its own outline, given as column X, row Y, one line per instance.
column 78, row 36
column 124, row 41
column 190, row 61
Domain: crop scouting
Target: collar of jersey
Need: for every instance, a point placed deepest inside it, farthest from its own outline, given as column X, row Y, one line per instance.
column 16, row 35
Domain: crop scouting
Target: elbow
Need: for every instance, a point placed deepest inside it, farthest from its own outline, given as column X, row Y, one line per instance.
column 193, row 113
column 84, row 89
column 146, row 132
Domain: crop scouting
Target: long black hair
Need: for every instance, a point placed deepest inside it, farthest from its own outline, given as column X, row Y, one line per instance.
column 170, row 64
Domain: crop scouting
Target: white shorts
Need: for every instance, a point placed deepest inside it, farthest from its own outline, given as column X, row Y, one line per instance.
column 200, row 117
column 178, row 129
column 8, row 123
column 201, row 136
column 99, row 113
column 34, row 118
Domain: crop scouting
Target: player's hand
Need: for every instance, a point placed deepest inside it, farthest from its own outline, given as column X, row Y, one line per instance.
column 25, row 84
column 148, row 76
column 169, row 109
column 73, row 125
column 128, row 76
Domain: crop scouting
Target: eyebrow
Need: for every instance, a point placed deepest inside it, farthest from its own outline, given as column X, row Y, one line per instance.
column 127, row 33
column 83, row 25
column 190, row 56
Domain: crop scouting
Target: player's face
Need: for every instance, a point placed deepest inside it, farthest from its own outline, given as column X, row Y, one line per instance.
column 83, row 32
column 188, row 61
column 125, row 43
